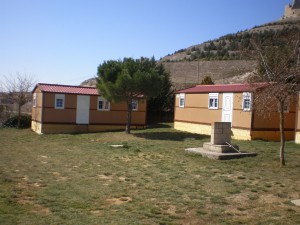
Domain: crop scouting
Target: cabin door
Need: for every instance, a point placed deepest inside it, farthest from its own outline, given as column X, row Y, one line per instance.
column 83, row 109
column 227, row 107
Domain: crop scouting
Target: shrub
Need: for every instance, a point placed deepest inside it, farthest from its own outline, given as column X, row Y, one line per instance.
column 13, row 121
column 207, row 81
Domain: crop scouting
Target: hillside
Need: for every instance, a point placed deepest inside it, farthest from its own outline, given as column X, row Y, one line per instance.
column 223, row 58
column 231, row 46
column 187, row 74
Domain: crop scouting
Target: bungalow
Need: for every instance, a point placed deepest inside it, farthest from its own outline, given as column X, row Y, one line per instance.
column 76, row 109
column 197, row 107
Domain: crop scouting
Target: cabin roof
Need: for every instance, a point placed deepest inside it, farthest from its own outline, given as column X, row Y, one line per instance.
column 66, row 89
column 222, row 88
column 70, row 89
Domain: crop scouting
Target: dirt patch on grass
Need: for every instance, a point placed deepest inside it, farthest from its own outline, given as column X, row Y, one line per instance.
column 270, row 199
column 122, row 179
column 105, row 177
column 25, row 178
column 59, row 177
column 238, row 199
column 248, row 206
column 191, row 218
column 97, row 212
column 118, row 201
column 171, row 210
column 22, row 198
column 37, row 185
column 44, row 159
column 126, row 159
column 37, row 208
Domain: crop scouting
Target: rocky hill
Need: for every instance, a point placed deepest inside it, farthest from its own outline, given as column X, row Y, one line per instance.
column 231, row 46
column 223, row 58
column 186, row 74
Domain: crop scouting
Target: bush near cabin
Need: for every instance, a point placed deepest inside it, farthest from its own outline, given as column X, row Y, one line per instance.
column 25, row 122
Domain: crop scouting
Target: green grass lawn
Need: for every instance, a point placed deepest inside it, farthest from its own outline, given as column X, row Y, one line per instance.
column 81, row 179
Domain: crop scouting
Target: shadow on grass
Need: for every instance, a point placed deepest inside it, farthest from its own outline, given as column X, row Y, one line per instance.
column 171, row 136
column 159, row 125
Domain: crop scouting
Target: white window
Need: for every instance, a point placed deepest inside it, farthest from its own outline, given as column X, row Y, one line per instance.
column 103, row 104
column 34, row 100
column 213, row 101
column 134, row 105
column 181, row 100
column 246, row 104
column 59, row 101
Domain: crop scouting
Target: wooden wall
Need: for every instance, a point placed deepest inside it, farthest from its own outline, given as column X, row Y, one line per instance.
column 45, row 113
column 196, row 111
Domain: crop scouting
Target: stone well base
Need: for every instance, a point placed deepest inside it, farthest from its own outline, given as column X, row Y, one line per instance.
column 220, row 148
column 219, row 156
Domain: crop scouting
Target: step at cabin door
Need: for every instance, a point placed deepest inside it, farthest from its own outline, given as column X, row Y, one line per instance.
column 83, row 109
column 227, row 107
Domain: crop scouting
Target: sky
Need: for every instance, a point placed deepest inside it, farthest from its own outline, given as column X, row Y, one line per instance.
column 64, row 41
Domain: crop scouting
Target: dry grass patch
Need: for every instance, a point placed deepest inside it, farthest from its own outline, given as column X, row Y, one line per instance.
column 118, row 201
column 81, row 179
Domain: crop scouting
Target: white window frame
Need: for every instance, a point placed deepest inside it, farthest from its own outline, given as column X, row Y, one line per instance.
column 215, row 97
column 59, row 97
column 104, row 102
column 182, row 103
column 136, row 104
column 34, row 100
column 246, row 96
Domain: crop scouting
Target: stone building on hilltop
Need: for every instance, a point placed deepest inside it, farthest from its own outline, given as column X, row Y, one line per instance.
column 292, row 11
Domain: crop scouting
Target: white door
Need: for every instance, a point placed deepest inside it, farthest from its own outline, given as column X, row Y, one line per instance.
column 227, row 107
column 83, row 109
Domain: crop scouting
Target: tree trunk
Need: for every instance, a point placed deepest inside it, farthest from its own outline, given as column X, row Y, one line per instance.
column 19, row 116
column 129, row 110
column 282, row 134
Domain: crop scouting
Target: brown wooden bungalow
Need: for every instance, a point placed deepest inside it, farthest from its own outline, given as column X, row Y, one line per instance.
column 76, row 109
column 197, row 107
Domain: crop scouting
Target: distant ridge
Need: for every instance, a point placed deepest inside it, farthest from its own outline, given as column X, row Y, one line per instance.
column 230, row 46
column 222, row 58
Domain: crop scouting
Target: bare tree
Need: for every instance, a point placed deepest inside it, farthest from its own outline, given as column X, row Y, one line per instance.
column 279, row 69
column 17, row 90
